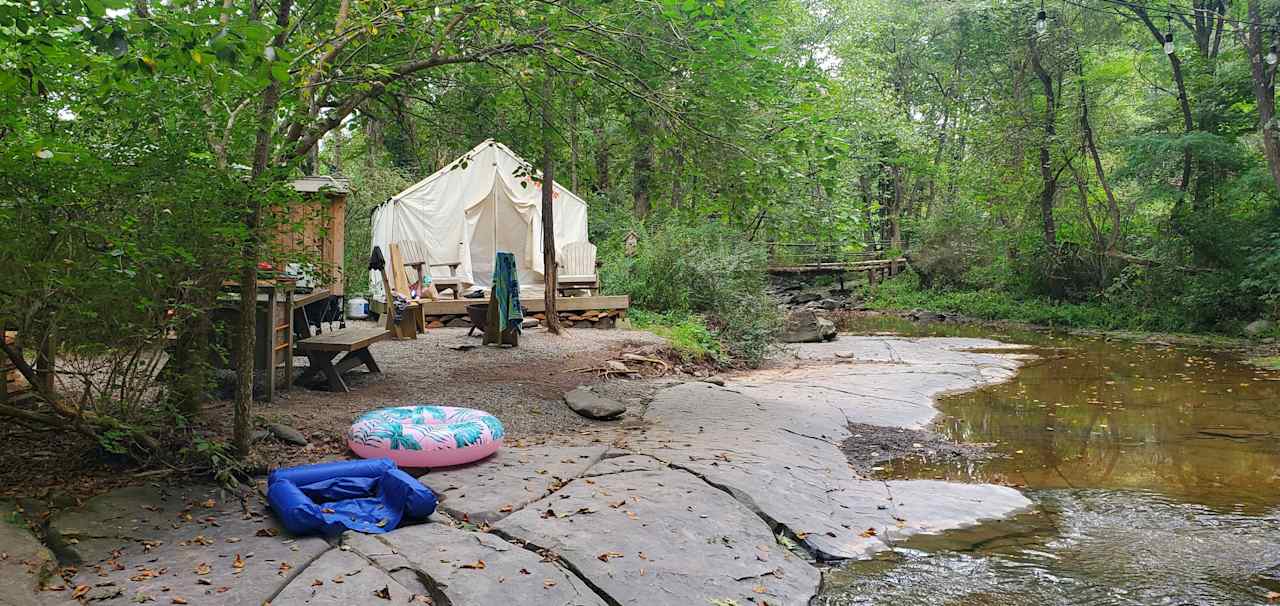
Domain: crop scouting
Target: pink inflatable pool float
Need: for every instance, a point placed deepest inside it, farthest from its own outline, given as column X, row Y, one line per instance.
column 426, row 436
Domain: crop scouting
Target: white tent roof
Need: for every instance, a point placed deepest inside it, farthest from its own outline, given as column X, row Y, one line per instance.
column 481, row 203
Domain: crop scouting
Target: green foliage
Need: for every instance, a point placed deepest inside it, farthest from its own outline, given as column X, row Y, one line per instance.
column 706, row 270
column 687, row 333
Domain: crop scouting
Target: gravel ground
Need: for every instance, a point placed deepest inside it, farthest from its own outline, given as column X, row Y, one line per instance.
column 522, row 386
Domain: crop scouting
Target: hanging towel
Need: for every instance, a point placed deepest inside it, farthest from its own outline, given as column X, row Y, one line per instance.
column 376, row 261
column 506, row 291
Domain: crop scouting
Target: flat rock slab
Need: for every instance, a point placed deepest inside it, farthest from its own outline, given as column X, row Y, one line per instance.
column 341, row 577
column 781, row 458
column 890, row 382
column 489, row 490
column 187, row 542
column 464, row 568
column 664, row 537
column 625, row 462
column 26, row 563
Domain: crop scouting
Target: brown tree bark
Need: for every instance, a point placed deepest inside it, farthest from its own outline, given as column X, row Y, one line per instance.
column 549, row 262
column 243, row 414
column 1184, row 104
column 1264, row 88
column 1048, row 177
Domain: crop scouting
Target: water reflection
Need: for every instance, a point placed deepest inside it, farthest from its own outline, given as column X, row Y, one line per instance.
column 1155, row 469
column 1196, row 425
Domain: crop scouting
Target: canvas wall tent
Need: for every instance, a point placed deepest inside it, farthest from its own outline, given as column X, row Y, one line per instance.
column 483, row 202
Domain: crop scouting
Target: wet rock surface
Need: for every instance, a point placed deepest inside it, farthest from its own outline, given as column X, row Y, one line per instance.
column 513, row 477
column 774, row 440
column 664, row 537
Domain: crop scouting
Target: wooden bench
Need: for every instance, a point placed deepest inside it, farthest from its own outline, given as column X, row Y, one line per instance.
column 322, row 349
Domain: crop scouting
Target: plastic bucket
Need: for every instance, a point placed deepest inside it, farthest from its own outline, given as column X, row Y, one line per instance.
column 357, row 308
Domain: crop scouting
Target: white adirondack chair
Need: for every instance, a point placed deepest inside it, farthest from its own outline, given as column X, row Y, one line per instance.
column 577, row 269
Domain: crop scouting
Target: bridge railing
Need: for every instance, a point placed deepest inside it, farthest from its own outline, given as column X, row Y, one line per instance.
column 820, row 253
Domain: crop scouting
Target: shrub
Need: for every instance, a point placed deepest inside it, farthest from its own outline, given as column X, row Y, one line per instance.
column 706, row 270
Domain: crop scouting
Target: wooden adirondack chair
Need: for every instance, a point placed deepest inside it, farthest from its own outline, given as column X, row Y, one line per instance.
column 578, row 268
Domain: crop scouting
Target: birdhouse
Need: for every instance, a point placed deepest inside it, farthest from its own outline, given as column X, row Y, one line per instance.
column 630, row 243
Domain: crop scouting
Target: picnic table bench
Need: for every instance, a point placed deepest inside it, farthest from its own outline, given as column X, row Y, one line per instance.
column 322, row 349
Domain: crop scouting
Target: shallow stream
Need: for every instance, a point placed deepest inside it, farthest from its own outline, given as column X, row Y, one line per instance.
column 1155, row 471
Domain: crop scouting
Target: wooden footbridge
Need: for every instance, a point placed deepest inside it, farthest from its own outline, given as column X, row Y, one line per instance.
column 835, row 259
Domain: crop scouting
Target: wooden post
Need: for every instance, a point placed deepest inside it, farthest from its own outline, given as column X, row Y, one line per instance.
column 871, row 277
column 288, row 336
column 270, row 345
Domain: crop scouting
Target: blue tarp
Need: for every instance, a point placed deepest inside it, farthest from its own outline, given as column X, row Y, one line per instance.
column 369, row 496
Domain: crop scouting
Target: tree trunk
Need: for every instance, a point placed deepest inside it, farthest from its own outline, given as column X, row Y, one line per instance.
column 1048, row 178
column 549, row 262
column 1264, row 90
column 677, row 176
column 1184, row 104
column 602, row 160
column 642, row 165
column 1086, row 133
column 243, row 414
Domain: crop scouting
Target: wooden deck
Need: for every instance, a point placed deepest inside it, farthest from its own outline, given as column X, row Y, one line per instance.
column 451, row 307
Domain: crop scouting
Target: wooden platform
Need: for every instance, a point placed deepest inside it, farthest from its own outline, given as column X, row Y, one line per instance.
column 450, row 307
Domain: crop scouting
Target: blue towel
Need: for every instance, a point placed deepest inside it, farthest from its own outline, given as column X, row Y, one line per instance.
column 506, row 291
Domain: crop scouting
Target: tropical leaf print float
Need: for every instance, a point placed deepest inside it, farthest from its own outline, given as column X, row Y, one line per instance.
column 467, row 433
column 495, row 427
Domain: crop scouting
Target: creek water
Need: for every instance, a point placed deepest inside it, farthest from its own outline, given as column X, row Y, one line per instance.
column 1155, row 472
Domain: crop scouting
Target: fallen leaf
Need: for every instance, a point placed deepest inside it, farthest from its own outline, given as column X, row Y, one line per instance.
column 203, row 567
column 507, row 509
column 338, row 579
column 284, row 567
column 80, row 590
column 224, row 590
column 326, row 510
column 476, row 565
column 266, row 532
column 760, row 589
column 238, row 563
column 178, row 600
column 384, row 593
column 548, row 583
column 203, row 582
column 209, row 503
column 868, row 533
column 316, row 582
column 606, row 556
column 525, row 571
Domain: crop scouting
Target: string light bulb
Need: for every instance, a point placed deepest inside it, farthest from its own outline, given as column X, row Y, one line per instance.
column 1272, row 55
column 1168, row 35
column 1042, row 20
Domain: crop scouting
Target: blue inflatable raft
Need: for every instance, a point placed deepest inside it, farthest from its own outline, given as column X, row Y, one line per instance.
column 370, row 496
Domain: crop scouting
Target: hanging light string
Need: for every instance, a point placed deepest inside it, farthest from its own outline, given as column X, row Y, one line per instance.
column 1169, row 12
column 1272, row 56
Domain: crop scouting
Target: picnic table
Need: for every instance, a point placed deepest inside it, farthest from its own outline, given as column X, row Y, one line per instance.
column 352, row 342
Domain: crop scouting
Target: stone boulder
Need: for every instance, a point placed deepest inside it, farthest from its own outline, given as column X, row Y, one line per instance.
column 805, row 326
column 592, row 405
column 1258, row 327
